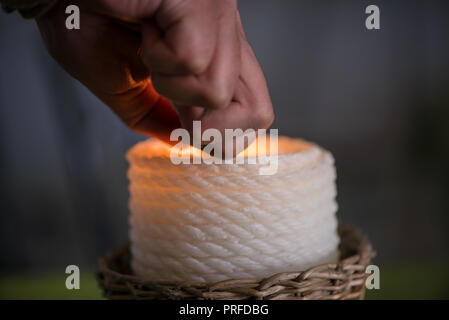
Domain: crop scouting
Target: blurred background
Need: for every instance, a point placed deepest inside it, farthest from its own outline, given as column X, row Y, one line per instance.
column 378, row 100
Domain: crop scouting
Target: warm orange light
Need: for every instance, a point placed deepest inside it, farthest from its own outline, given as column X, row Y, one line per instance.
column 285, row 145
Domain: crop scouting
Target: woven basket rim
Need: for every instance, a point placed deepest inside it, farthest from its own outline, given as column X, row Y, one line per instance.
column 342, row 280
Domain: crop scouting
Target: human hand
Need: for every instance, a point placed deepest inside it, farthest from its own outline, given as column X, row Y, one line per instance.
column 131, row 54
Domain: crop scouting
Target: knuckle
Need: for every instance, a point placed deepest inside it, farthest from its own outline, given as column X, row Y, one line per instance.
column 217, row 96
column 216, row 99
column 194, row 63
column 197, row 64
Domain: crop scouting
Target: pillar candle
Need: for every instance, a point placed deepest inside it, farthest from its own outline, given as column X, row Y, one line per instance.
column 212, row 222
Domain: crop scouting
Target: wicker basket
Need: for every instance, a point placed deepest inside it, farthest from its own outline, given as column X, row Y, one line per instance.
column 344, row 280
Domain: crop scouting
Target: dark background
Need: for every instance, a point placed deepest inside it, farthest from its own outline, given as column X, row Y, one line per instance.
column 378, row 100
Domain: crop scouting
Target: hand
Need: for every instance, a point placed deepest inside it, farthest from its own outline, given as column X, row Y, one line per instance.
column 196, row 51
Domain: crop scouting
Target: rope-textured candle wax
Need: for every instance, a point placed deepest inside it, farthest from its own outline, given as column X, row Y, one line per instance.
column 215, row 222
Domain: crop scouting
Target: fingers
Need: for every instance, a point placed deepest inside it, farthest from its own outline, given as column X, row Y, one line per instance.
column 251, row 105
column 190, row 46
column 110, row 67
column 252, row 92
column 215, row 87
column 181, row 38
column 178, row 35
column 106, row 57
column 249, row 108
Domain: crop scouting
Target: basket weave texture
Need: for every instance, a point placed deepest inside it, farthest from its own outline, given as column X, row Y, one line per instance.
column 343, row 280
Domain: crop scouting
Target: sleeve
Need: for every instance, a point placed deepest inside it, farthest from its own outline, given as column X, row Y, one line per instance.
column 29, row 9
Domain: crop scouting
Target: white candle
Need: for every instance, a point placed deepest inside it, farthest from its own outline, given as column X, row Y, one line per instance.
column 215, row 222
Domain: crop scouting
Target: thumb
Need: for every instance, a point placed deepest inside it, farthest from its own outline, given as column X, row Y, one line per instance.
column 143, row 110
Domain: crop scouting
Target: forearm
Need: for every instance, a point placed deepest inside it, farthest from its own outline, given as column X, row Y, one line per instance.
column 29, row 9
